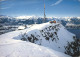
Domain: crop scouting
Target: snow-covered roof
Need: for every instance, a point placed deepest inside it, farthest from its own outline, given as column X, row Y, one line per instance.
column 21, row 27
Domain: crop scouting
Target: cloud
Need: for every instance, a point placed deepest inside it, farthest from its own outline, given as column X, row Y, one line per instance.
column 2, row 0
column 79, row 0
column 5, row 8
column 58, row 2
column 25, row 17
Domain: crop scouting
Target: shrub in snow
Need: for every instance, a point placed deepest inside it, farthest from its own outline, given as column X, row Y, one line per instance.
column 73, row 48
column 24, row 37
column 30, row 38
column 49, row 33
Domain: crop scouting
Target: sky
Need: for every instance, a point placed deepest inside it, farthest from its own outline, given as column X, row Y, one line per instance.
column 53, row 8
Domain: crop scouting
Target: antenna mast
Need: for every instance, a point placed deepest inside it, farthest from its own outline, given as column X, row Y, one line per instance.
column 44, row 12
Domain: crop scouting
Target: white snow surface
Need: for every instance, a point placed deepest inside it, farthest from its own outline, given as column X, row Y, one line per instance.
column 23, row 49
column 12, row 46
column 21, row 27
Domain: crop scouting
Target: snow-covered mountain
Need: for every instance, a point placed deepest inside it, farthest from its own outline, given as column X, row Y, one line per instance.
column 53, row 36
column 6, row 20
column 19, row 20
column 27, row 17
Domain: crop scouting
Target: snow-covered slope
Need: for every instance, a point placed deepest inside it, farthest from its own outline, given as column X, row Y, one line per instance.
column 53, row 36
column 27, row 49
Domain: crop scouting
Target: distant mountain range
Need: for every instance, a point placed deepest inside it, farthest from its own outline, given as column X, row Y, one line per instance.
column 7, row 20
column 19, row 20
